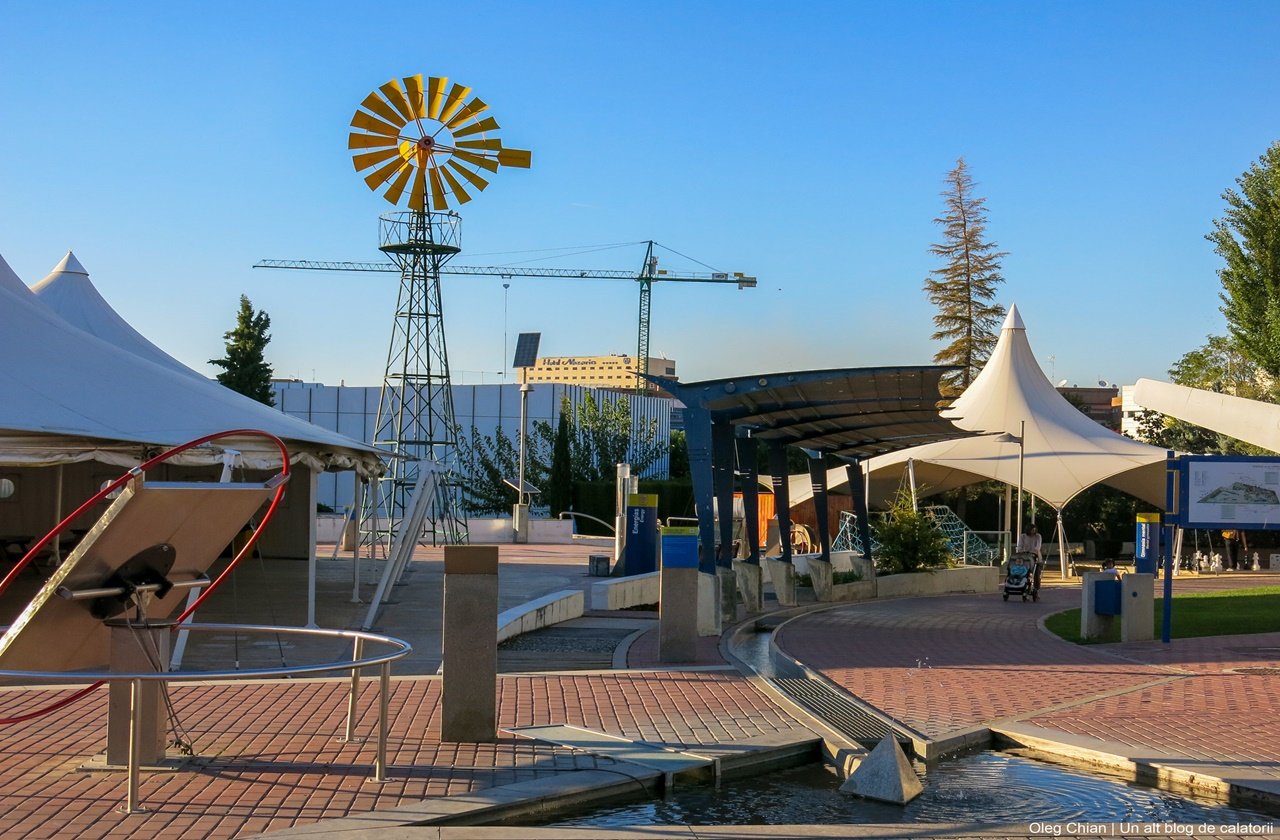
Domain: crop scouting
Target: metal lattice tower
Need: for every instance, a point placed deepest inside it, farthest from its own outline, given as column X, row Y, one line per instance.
column 415, row 421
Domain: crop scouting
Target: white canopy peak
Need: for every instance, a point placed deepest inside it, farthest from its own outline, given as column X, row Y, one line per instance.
column 1013, row 321
column 70, row 265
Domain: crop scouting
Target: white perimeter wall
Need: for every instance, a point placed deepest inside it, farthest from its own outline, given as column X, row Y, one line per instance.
column 352, row 411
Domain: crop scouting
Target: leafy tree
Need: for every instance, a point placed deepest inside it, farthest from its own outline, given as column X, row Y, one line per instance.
column 492, row 460
column 245, row 369
column 603, row 437
column 678, row 466
column 964, row 289
column 1219, row 365
column 1248, row 240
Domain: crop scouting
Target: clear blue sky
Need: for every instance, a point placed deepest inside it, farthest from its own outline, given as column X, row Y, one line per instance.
column 172, row 145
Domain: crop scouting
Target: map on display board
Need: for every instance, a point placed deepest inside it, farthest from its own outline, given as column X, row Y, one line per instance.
column 1232, row 491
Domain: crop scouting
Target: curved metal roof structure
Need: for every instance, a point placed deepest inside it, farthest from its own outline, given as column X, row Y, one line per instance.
column 850, row 412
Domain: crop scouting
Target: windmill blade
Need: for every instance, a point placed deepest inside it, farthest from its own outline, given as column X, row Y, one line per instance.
column 476, row 160
column 379, row 176
column 438, row 199
column 518, row 158
column 413, row 92
column 396, row 190
column 356, row 140
column 378, row 105
column 375, row 125
column 486, row 124
column 435, row 95
column 417, row 196
column 475, row 106
column 364, row 161
column 487, row 145
column 462, row 195
column 395, row 95
column 475, row 180
column 457, row 93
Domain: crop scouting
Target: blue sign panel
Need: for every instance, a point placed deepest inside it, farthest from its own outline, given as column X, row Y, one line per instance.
column 1146, row 544
column 641, row 553
column 679, row 548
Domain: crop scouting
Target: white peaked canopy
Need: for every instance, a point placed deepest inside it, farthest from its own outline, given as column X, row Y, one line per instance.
column 68, row 291
column 1065, row 451
column 1247, row 420
column 67, row 396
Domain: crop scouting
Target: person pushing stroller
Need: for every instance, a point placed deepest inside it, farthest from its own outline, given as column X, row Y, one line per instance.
column 1029, row 542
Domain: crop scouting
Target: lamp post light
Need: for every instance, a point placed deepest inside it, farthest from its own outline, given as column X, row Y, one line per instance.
column 526, row 356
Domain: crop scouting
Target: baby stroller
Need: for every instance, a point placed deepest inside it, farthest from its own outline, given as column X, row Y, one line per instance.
column 1022, row 578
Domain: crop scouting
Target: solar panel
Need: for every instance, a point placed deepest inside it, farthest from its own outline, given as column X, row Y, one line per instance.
column 526, row 350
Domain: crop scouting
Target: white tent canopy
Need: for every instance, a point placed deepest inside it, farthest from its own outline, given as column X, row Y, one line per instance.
column 67, row 396
column 1065, row 451
column 68, row 291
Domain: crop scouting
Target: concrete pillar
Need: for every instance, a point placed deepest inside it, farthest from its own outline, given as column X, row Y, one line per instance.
column 821, row 576
column 1137, row 610
column 728, row 593
column 469, row 708
column 709, row 621
column 783, row 577
column 750, row 585
column 132, row 651
column 519, row 523
column 678, row 615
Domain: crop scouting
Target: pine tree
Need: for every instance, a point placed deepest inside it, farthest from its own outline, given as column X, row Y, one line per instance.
column 964, row 288
column 245, row 369
column 1248, row 239
column 558, row 494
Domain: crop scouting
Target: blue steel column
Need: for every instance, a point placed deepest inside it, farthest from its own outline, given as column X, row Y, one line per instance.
column 858, row 488
column 1166, row 550
column 818, row 481
column 781, row 495
column 746, row 447
column 697, row 430
column 722, row 479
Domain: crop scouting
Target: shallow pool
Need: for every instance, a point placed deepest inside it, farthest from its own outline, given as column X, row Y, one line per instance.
column 983, row 788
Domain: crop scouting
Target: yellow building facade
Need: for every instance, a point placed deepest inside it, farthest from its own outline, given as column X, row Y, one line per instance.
column 612, row 371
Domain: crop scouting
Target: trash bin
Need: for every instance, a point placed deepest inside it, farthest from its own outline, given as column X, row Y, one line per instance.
column 598, row 565
column 1107, row 597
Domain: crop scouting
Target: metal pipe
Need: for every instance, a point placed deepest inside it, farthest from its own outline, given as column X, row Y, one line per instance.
column 132, row 806
column 112, row 591
column 384, row 696
column 357, row 648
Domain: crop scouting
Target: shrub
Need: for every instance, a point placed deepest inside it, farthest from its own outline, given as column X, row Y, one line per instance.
column 909, row 540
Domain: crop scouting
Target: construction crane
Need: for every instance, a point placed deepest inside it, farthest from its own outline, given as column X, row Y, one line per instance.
column 648, row 275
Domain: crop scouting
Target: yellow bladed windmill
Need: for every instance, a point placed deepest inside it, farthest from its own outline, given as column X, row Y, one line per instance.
column 427, row 144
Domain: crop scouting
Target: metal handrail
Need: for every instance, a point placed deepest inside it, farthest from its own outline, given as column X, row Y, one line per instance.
column 136, row 679
column 402, row 650
column 574, row 513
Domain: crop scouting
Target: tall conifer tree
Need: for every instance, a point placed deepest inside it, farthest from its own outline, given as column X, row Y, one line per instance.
column 244, row 368
column 964, row 289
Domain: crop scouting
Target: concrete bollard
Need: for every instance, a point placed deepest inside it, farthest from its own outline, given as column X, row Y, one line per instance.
column 469, row 707
column 728, row 594
column 1092, row 625
column 1137, row 612
column 678, row 604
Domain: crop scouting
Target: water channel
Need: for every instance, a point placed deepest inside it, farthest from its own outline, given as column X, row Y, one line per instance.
column 982, row 788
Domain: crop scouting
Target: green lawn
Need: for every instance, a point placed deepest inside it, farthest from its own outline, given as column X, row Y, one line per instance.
column 1228, row 613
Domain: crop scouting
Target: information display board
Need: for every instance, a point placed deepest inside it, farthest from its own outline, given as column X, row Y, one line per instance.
column 1227, row 491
